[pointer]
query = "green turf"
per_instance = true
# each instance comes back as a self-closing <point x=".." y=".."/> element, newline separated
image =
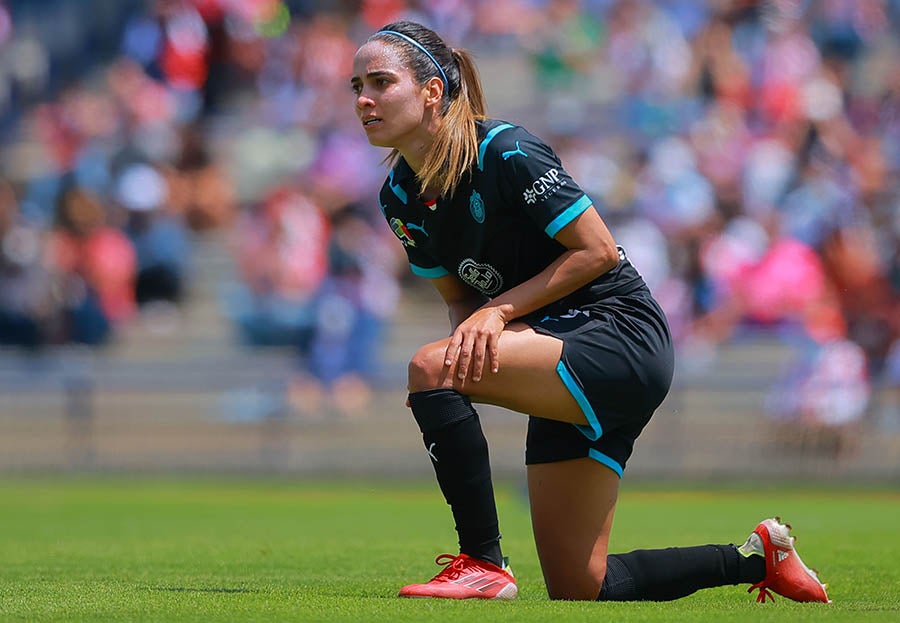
<point x="120" y="549"/>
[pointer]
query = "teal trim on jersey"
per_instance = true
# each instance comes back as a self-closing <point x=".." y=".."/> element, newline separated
<point x="593" y="430"/>
<point x="568" y="215"/>
<point x="398" y="190"/>
<point x="487" y="139"/>
<point x="609" y="462"/>
<point x="429" y="273"/>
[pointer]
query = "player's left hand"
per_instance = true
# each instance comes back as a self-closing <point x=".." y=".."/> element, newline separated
<point x="475" y="339"/>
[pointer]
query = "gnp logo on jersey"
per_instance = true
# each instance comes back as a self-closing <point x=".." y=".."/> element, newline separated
<point x="483" y="277"/>
<point x="544" y="186"/>
<point x="476" y="207"/>
<point x="402" y="232"/>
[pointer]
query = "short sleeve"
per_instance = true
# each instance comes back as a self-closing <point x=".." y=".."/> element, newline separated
<point x="534" y="178"/>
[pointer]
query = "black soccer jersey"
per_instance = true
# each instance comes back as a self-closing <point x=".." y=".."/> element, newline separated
<point x="498" y="228"/>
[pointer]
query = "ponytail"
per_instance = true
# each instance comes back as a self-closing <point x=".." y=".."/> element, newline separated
<point x="455" y="147"/>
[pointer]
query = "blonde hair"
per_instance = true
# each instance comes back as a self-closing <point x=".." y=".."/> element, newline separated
<point x="455" y="147"/>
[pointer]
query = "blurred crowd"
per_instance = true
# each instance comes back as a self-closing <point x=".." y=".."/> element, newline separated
<point x="744" y="152"/>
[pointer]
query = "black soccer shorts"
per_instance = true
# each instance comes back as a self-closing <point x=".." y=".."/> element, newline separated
<point x="617" y="361"/>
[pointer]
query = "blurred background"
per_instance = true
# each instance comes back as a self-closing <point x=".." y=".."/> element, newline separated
<point x="195" y="275"/>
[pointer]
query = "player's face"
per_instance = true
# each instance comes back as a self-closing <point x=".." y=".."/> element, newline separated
<point x="389" y="103"/>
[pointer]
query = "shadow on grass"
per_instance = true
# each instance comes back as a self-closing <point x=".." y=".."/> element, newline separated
<point x="191" y="589"/>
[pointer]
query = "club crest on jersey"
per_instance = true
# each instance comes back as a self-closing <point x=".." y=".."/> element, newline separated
<point x="544" y="186"/>
<point x="402" y="232"/>
<point x="483" y="277"/>
<point x="476" y="207"/>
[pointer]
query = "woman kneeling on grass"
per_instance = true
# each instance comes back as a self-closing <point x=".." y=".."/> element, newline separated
<point x="548" y="318"/>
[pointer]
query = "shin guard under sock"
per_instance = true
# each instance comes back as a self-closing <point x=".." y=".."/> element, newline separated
<point x="666" y="574"/>
<point x="458" y="450"/>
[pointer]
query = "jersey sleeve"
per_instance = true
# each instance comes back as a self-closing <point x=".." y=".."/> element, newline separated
<point x="533" y="177"/>
<point x="420" y="262"/>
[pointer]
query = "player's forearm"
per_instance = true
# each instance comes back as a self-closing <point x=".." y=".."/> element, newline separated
<point x="570" y="271"/>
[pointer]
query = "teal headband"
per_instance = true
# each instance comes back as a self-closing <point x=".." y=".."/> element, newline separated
<point x="421" y="47"/>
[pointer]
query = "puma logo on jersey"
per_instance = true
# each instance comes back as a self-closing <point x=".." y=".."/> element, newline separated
<point x="517" y="151"/>
<point x="420" y="228"/>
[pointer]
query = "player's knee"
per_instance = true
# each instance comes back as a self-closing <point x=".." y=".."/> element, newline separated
<point x="578" y="587"/>
<point x="425" y="368"/>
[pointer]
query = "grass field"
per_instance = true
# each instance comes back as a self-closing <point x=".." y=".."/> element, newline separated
<point x="119" y="549"/>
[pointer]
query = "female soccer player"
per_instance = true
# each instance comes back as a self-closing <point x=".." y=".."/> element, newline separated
<point x="548" y="318"/>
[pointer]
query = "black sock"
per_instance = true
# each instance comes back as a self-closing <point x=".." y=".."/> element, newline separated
<point x="458" y="450"/>
<point x="666" y="574"/>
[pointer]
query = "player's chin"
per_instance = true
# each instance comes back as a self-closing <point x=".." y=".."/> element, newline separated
<point x="378" y="141"/>
<point x="377" y="135"/>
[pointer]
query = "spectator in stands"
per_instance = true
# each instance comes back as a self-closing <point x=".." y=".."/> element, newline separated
<point x="160" y="238"/>
<point x="858" y="265"/>
<point x="199" y="189"/>
<point x="26" y="303"/>
<point x="282" y="255"/>
<point x="356" y="300"/>
<point x="95" y="265"/>
<point x="685" y="115"/>
<point x="564" y="47"/>
<point x="323" y="58"/>
<point x="773" y="282"/>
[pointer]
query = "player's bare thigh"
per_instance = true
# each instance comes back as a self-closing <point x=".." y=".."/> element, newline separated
<point x="572" y="508"/>
<point x="527" y="381"/>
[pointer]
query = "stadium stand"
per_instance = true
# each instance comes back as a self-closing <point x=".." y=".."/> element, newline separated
<point x="699" y="164"/>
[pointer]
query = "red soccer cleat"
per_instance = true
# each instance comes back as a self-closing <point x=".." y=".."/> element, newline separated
<point x="785" y="572"/>
<point x="465" y="577"/>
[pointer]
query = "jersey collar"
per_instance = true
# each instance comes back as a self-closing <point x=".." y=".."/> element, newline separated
<point x="403" y="173"/>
